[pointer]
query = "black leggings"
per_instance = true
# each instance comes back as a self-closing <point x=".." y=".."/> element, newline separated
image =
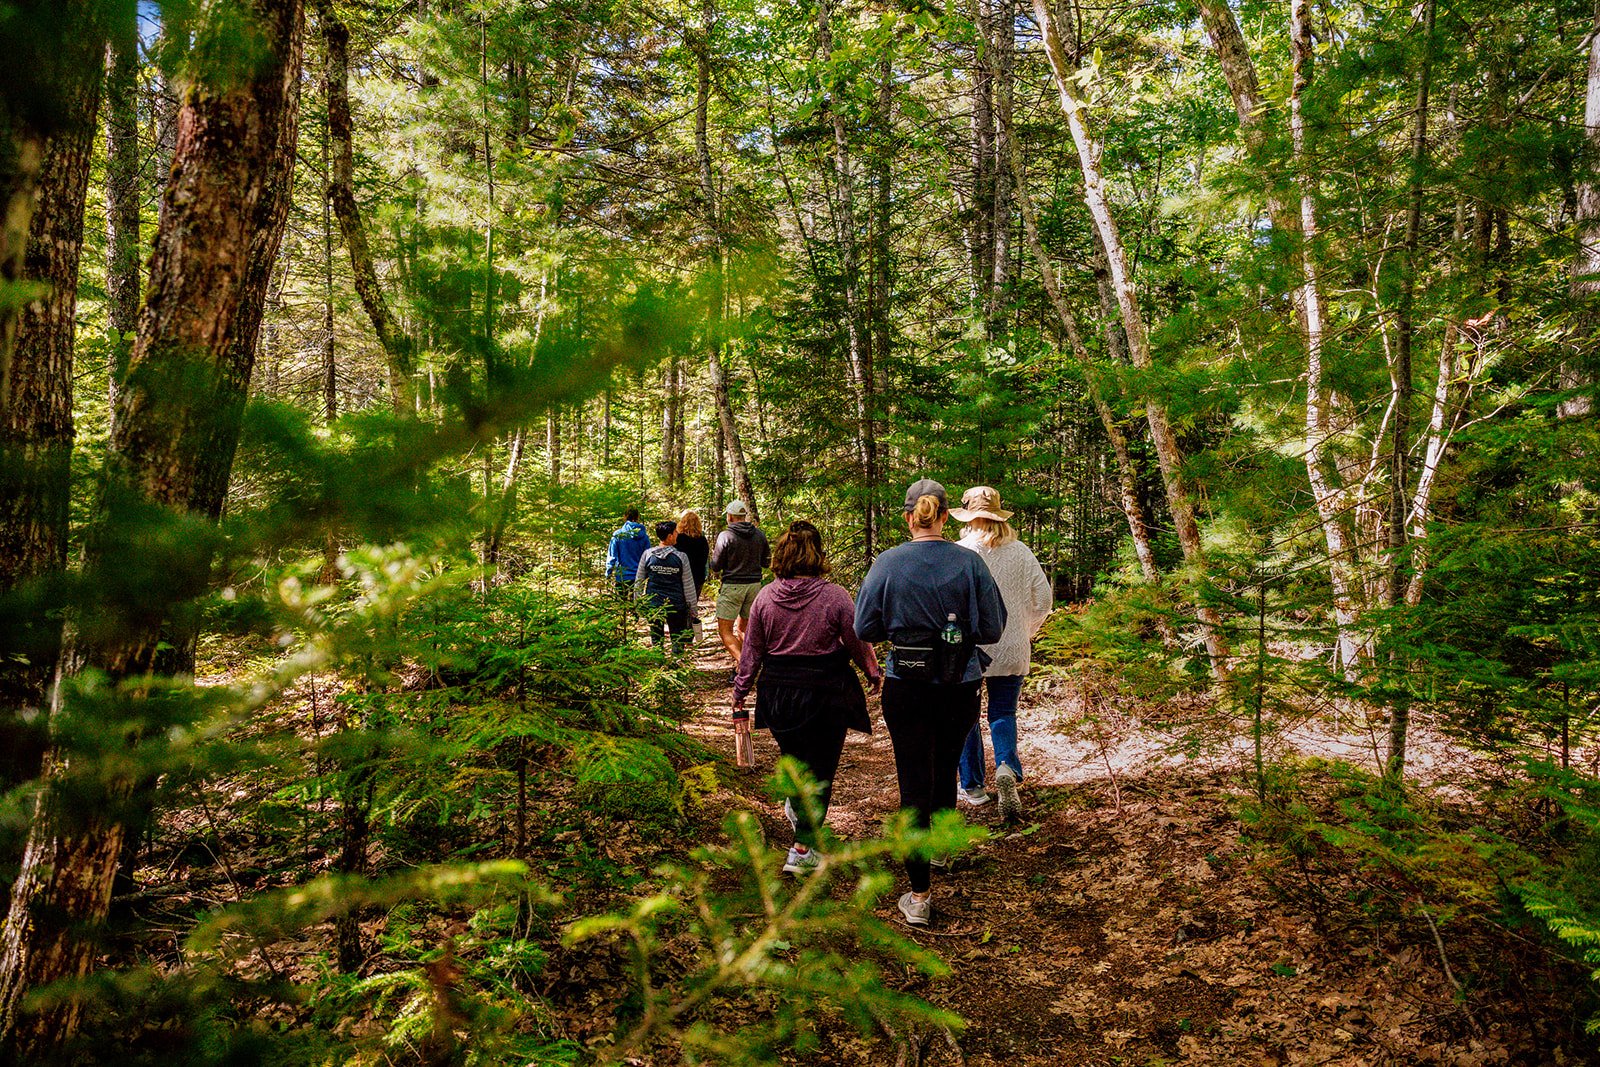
<point x="817" y="744"/>
<point x="928" y="724"/>
<point x="677" y="624"/>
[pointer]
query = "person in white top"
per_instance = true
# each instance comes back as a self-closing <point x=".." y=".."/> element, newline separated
<point x="1028" y="599"/>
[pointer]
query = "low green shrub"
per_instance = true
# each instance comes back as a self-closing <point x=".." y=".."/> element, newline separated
<point x="624" y="778"/>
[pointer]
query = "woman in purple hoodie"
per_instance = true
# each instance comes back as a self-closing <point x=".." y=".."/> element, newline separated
<point x="797" y="652"/>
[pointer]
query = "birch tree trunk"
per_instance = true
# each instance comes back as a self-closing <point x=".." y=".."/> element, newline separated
<point x="1289" y="218"/>
<point x="1239" y="71"/>
<point x="1127" y="475"/>
<point x="177" y="421"/>
<point x="1329" y="497"/>
<point x="981" y="229"/>
<point x="1169" y="455"/>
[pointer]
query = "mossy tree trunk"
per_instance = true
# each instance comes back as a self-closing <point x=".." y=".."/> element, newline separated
<point x="177" y="427"/>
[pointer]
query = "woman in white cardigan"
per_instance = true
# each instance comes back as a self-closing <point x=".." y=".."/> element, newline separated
<point x="1028" y="599"/>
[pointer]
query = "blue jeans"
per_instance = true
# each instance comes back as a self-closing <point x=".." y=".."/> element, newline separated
<point x="1004" y="690"/>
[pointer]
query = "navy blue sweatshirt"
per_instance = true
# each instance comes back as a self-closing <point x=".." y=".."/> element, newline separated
<point x="917" y="585"/>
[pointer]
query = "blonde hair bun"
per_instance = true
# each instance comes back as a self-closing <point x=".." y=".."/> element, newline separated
<point x="926" y="513"/>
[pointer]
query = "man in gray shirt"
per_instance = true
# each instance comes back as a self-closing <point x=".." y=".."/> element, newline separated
<point x="739" y="556"/>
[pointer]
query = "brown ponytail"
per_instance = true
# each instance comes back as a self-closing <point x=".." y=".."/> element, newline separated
<point x="927" y="512"/>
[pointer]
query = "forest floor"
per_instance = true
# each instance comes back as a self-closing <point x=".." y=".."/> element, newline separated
<point x="1126" y="920"/>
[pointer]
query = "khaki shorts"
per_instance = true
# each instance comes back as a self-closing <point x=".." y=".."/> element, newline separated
<point x="733" y="601"/>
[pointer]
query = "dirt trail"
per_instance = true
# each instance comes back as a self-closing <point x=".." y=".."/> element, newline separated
<point x="1090" y="934"/>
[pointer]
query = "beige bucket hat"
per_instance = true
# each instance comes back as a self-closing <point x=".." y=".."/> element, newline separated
<point x="980" y="502"/>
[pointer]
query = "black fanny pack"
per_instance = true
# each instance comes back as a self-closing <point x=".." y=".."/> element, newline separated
<point x="929" y="656"/>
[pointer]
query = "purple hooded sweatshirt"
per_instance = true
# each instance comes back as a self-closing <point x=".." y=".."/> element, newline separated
<point x="801" y="617"/>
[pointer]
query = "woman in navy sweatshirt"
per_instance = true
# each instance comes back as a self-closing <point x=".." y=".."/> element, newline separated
<point x="936" y="602"/>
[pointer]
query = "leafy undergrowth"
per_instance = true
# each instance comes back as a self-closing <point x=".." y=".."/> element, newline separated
<point x="549" y="891"/>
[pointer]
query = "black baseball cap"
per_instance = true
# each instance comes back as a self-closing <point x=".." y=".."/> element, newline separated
<point x="925" y="487"/>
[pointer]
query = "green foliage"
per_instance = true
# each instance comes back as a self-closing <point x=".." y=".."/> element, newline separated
<point x="209" y="1012"/>
<point x="621" y="778"/>
<point x="781" y="951"/>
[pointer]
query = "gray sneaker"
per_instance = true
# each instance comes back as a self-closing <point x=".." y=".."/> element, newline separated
<point x="788" y="813"/>
<point x="977" y="796"/>
<point x="1005" y="783"/>
<point x="941" y="862"/>
<point x="916" y="912"/>
<point x="802" y="862"/>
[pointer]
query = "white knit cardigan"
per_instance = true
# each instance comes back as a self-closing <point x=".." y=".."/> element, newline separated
<point x="1028" y="599"/>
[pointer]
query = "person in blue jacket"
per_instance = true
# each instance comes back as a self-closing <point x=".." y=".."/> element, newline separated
<point x="622" y="558"/>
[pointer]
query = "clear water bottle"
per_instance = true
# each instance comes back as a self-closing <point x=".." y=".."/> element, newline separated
<point x="951" y="632"/>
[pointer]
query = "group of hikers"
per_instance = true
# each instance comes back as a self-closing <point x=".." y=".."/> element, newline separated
<point x="959" y="618"/>
<point x="667" y="577"/>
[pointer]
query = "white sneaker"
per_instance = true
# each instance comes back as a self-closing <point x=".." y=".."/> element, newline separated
<point x="1005" y="783"/>
<point x="788" y="813"/>
<point x="977" y="796"/>
<point x="802" y="862"/>
<point x="916" y="912"/>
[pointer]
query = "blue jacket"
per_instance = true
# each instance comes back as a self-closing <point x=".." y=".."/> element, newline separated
<point x="627" y="545"/>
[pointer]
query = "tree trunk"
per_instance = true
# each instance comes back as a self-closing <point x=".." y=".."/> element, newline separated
<point x="36" y="426"/>
<point x="1577" y="375"/>
<point x="1401" y="377"/>
<point x="1238" y="70"/>
<point x="883" y="288"/>
<point x="164" y="121"/>
<point x="355" y="834"/>
<point x="983" y="157"/>
<point x="1002" y="38"/>
<point x="330" y="370"/>
<point x="504" y="502"/>
<point x="341" y="190"/>
<point x="1329" y="497"/>
<point x="1401" y="390"/>
<point x="178" y="424"/>
<point x="1168" y="452"/>
<point x="552" y="446"/>
<point x="1127" y="475"/>
<point x="671" y="414"/>
<point x="47" y="60"/>
<point x="860" y="354"/>
<point x="122" y="196"/>
<point x="713" y="220"/>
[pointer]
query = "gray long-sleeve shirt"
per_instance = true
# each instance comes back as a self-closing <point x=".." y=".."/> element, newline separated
<point x="918" y="585"/>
